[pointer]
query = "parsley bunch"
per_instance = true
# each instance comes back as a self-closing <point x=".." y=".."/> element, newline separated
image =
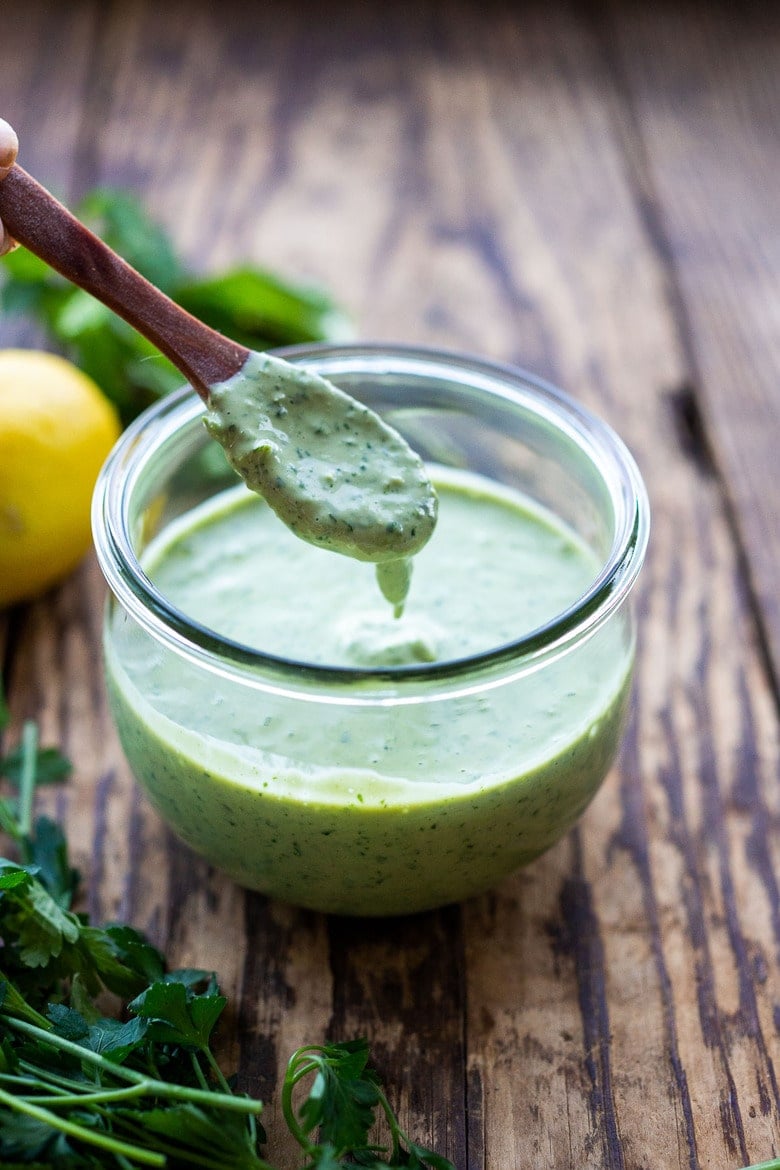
<point x="83" y="1087"/>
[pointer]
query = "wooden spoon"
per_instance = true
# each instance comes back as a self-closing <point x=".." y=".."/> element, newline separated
<point x="334" y="471"/>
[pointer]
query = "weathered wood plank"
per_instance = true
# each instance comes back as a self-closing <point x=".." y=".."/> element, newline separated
<point x="704" y="91"/>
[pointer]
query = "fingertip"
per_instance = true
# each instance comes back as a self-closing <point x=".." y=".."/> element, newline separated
<point x="9" y="147"/>
<point x="7" y="244"/>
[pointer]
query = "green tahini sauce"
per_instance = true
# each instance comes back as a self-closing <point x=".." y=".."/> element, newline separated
<point x="370" y="808"/>
<point x="332" y="470"/>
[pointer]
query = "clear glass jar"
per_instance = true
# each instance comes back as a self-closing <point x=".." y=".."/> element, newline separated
<point x="392" y="789"/>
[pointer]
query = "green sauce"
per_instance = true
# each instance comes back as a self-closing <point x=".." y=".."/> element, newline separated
<point x="375" y="808"/>
<point x="333" y="471"/>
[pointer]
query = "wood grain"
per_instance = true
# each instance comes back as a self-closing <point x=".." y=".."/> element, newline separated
<point x="705" y="108"/>
<point x="577" y="189"/>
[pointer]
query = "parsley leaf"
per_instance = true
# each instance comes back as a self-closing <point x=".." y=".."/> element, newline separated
<point x="51" y="766"/>
<point x="176" y="1015"/>
<point x="341" y="1104"/>
<point x="343" y="1096"/>
<point x="48" y="852"/>
<point x="38" y="926"/>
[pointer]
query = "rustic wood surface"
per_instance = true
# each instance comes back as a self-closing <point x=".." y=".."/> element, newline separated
<point x="590" y="191"/>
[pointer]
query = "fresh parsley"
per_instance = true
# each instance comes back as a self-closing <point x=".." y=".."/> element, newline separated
<point x="81" y="1089"/>
<point x="252" y="305"/>
<point x="343" y="1097"/>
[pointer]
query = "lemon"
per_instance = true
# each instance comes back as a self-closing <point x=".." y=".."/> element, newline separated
<point x="56" y="428"/>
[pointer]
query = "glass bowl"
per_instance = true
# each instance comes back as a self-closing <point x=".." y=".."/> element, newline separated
<point x="379" y="789"/>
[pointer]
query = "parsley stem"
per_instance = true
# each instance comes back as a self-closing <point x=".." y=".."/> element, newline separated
<point x="12" y="1079"/>
<point x="88" y="1136"/>
<point x="291" y="1079"/>
<point x="198" y="1071"/>
<point x="27" y="778"/>
<point x="17" y="822"/>
<point x="13" y="1002"/>
<point x="60" y="1100"/>
<point x="53" y="1081"/>
<point x="218" y="1073"/>
<point x="397" y="1134"/>
<point x="153" y="1088"/>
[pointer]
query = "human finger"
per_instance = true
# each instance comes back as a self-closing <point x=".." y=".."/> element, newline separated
<point x="7" y="243"/>
<point x="9" y="147"/>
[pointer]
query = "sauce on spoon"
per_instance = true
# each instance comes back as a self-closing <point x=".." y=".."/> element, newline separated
<point x="334" y="472"/>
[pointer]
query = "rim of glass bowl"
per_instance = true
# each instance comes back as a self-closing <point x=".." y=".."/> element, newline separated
<point x="156" y="426"/>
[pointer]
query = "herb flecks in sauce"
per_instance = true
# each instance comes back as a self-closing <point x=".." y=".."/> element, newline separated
<point x="331" y="469"/>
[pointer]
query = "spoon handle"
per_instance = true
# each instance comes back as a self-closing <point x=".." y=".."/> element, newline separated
<point x="36" y="219"/>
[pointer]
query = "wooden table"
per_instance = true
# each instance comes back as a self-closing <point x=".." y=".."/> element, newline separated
<point x="591" y="192"/>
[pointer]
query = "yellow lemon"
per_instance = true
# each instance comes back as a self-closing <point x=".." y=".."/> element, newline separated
<point x="56" y="428"/>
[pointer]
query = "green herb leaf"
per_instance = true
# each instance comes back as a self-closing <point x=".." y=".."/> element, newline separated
<point x="118" y="218"/>
<point x="177" y="1017"/>
<point x="51" y="766"/>
<point x="341" y="1100"/>
<point x="341" y="1104"/>
<point x="325" y="1158"/>
<point x="47" y="850"/>
<point x="40" y="925"/>
<point x="13" y="1003"/>
<point x="110" y="1037"/>
<point x="25" y="268"/>
<point x="119" y="957"/>
<point x="260" y="310"/>
<point x="343" y="1097"/>
<point x="219" y="1143"/>
<point x="30" y="1138"/>
<point x="418" y="1157"/>
<point x="12" y="875"/>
